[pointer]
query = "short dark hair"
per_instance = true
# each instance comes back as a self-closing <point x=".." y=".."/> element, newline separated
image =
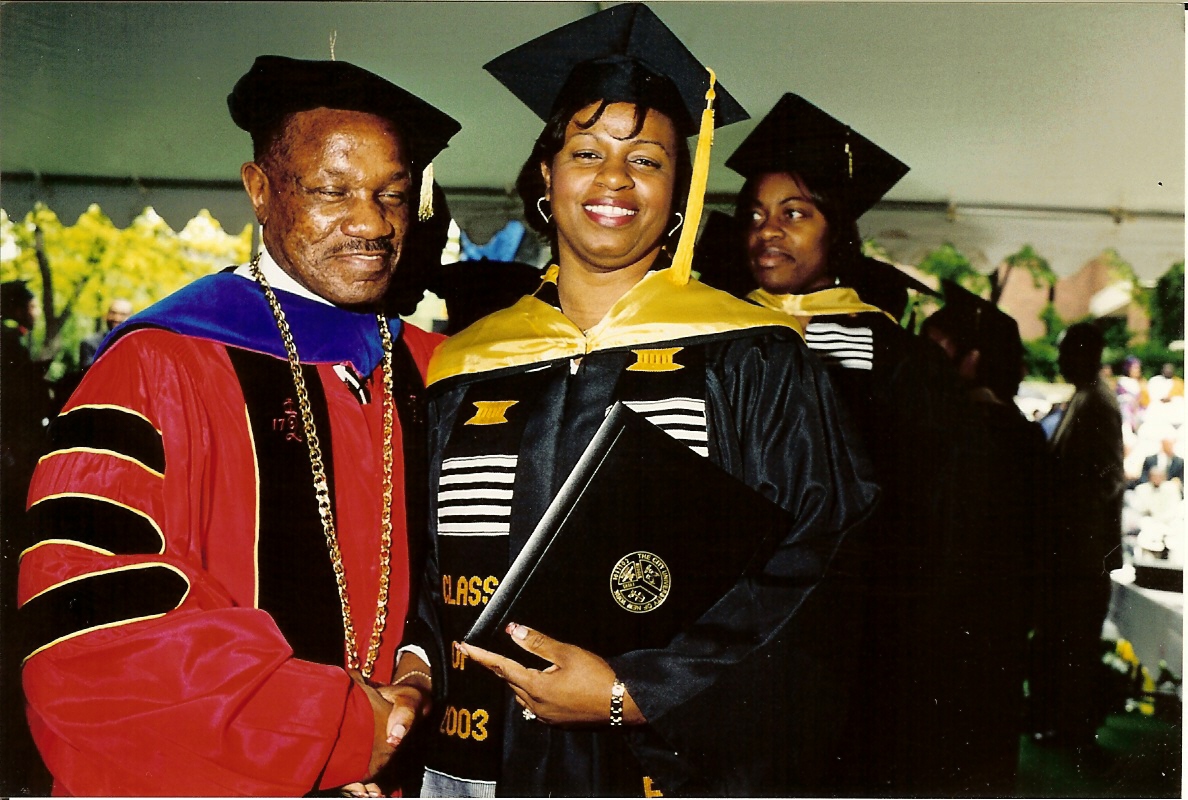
<point x="14" y="297"/>
<point x="1081" y="346"/>
<point x="1084" y="336"/>
<point x="266" y="137"/>
<point x="948" y="321"/>
<point x="844" y="252"/>
<point x="530" y="184"/>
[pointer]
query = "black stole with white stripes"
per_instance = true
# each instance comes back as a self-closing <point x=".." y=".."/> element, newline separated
<point x="843" y="341"/>
<point x="512" y="444"/>
<point x="474" y="504"/>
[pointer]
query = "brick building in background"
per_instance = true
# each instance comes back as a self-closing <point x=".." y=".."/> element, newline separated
<point x="1096" y="289"/>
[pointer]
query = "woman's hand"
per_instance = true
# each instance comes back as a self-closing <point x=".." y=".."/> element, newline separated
<point x="361" y="790"/>
<point x="575" y="690"/>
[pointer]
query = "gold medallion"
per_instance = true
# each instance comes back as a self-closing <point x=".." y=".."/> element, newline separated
<point x="640" y="582"/>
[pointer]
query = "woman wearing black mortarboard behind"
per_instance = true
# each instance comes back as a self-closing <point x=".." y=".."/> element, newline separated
<point x="734" y="381"/>
<point x="895" y="716"/>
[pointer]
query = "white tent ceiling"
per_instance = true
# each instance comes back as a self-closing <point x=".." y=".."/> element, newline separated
<point x="1055" y="124"/>
<point x="1053" y="105"/>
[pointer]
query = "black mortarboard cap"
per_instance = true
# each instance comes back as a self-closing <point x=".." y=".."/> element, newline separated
<point x="797" y="137"/>
<point x="276" y="86"/>
<point x="976" y="322"/>
<point x="884" y="285"/>
<point x="623" y="54"/>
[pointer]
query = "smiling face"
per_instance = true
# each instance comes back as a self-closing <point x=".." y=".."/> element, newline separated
<point x="333" y="196"/>
<point x="611" y="188"/>
<point x="788" y="238"/>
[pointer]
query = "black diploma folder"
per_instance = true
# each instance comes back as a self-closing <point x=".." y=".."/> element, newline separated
<point x="643" y="538"/>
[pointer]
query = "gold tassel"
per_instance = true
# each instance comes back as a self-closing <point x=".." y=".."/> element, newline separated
<point x="425" y="207"/>
<point x="682" y="262"/>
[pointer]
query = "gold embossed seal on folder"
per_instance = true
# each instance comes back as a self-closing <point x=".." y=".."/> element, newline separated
<point x="640" y="582"/>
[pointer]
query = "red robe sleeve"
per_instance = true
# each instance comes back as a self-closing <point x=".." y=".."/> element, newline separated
<point x="149" y="670"/>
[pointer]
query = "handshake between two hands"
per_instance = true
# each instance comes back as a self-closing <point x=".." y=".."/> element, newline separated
<point x="395" y="708"/>
<point x="574" y="690"/>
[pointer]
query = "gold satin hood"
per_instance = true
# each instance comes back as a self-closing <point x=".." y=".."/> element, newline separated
<point x="825" y="303"/>
<point x="655" y="310"/>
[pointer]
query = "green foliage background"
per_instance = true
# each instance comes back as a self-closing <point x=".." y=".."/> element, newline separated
<point x="93" y="262"/>
<point x="1167" y="306"/>
<point x="1164" y="304"/>
<point x="948" y="263"/>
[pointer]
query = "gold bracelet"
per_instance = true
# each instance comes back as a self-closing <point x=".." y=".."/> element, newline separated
<point x="412" y="672"/>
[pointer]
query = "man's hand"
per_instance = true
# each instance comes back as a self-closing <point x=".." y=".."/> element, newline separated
<point x="361" y="790"/>
<point x="381" y="709"/>
<point x="411" y="696"/>
<point x="575" y="690"/>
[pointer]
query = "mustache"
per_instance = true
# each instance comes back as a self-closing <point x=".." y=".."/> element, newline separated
<point x="365" y="246"/>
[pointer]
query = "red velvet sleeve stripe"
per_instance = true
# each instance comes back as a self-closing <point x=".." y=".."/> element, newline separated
<point x="102" y="477"/>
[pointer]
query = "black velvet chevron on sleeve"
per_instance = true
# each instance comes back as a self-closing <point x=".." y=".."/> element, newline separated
<point x="99" y="600"/>
<point x="96" y="522"/>
<point x="113" y="429"/>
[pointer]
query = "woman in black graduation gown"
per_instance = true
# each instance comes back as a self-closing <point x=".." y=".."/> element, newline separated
<point x="907" y="585"/>
<point x="517" y="396"/>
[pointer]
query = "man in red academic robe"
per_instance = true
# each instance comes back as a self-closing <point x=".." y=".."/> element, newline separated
<point x="219" y="564"/>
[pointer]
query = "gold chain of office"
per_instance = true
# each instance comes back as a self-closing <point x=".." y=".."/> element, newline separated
<point x="322" y="489"/>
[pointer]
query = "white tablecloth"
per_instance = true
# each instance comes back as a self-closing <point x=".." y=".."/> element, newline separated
<point x="1151" y="620"/>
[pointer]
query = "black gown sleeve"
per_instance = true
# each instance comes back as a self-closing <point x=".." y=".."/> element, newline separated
<point x="777" y="425"/>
